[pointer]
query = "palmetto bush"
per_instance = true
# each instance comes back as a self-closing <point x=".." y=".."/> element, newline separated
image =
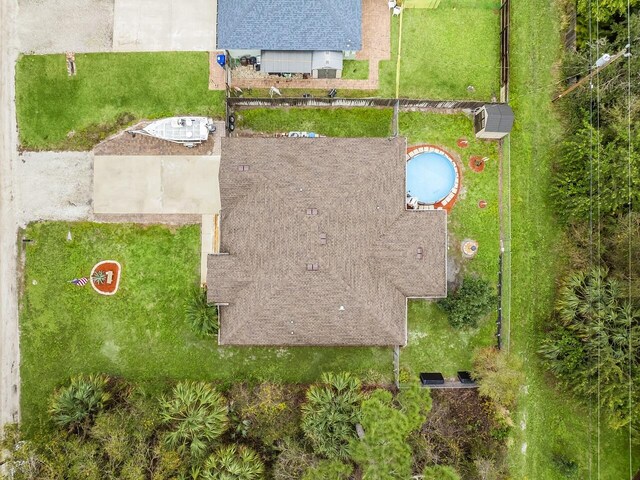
<point x="233" y="462"/>
<point x="202" y="317"/>
<point x="330" y="414"/>
<point x="75" y="406"/>
<point x="196" y="416"/>
<point x="591" y="343"/>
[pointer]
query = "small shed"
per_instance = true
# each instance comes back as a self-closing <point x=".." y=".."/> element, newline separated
<point x="286" y="61"/>
<point x="493" y="121"/>
<point x="327" y="64"/>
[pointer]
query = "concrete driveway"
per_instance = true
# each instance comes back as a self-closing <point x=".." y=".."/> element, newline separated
<point x="156" y="184"/>
<point x="81" y="26"/>
<point x="167" y="25"/>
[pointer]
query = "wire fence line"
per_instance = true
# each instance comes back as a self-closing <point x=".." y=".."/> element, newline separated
<point x="505" y="243"/>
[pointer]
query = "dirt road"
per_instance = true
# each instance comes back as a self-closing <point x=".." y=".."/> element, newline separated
<point x="9" y="338"/>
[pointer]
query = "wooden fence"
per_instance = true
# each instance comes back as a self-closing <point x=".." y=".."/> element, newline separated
<point x="505" y="30"/>
<point x="402" y="104"/>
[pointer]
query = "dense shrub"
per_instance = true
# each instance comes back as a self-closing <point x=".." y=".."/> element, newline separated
<point x="330" y="414"/>
<point x="233" y="462"/>
<point x="196" y="416"/>
<point x="499" y="377"/>
<point x="202" y="317"/>
<point x="472" y="301"/>
<point x="440" y="472"/>
<point x="74" y="407"/>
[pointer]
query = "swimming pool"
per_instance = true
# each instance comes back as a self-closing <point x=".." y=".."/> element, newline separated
<point x="432" y="176"/>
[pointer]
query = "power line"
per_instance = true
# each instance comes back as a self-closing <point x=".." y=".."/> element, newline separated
<point x="629" y="199"/>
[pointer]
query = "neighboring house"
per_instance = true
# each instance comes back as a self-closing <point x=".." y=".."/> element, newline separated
<point x="317" y="247"/>
<point x="291" y="36"/>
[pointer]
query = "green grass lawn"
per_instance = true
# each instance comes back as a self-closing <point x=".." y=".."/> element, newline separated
<point x="140" y="333"/>
<point x="444" y="50"/>
<point x="555" y="422"/>
<point x="434" y="345"/>
<point x="109" y="91"/>
<point x="338" y="122"/>
<point x="355" y="69"/>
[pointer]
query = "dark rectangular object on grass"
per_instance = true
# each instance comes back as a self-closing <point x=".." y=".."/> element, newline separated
<point x="465" y="377"/>
<point x="431" y="378"/>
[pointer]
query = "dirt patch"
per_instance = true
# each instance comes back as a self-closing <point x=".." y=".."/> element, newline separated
<point x="476" y="163"/>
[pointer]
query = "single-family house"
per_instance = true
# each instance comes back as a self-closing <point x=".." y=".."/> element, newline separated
<point x="291" y="36"/>
<point x="316" y="244"/>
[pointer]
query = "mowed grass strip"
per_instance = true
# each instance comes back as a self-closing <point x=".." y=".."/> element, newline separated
<point x="56" y="111"/>
<point x="330" y="122"/>
<point x="552" y="426"/>
<point x="140" y="333"/>
<point x="433" y="344"/>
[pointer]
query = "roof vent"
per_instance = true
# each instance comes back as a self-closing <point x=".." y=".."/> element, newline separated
<point x="323" y="239"/>
<point x="341" y="308"/>
<point x="419" y="253"/>
<point x="243" y="168"/>
<point x="313" y="267"/>
<point x="312" y="211"/>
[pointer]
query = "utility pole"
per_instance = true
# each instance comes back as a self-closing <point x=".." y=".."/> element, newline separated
<point x="622" y="53"/>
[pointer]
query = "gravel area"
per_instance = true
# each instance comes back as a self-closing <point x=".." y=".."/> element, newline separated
<point x="57" y="26"/>
<point x="54" y="186"/>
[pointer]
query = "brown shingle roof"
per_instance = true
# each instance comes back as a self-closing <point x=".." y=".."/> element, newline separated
<point x="341" y="276"/>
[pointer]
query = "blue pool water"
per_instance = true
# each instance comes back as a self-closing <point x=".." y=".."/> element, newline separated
<point x="430" y="177"/>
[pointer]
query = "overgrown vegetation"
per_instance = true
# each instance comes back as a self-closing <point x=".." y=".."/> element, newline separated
<point x="109" y="92"/>
<point x="330" y="415"/>
<point x="74" y="407"/>
<point x="195" y="416"/>
<point x="592" y="341"/>
<point x="188" y="431"/>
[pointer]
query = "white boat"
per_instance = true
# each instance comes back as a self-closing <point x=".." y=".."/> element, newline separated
<point x="188" y="131"/>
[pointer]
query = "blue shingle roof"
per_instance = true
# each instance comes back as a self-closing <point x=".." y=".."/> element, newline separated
<point x="290" y="24"/>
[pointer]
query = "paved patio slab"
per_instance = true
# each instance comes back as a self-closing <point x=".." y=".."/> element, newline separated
<point x="156" y="185"/>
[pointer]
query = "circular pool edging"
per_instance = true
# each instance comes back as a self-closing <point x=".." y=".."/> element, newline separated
<point x="448" y="201"/>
